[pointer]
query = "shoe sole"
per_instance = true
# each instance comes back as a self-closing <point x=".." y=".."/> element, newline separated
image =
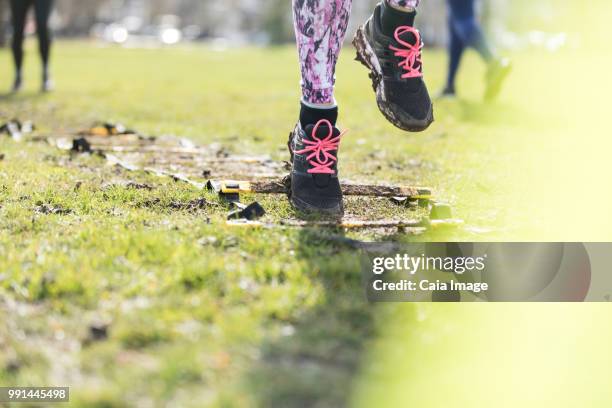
<point x="306" y="208"/>
<point x="367" y="57"/>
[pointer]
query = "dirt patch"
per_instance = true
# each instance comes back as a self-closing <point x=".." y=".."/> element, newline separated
<point x="46" y="209"/>
<point x="196" y="205"/>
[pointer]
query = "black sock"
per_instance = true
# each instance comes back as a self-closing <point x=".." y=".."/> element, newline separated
<point x="391" y="18"/>
<point x="310" y="116"/>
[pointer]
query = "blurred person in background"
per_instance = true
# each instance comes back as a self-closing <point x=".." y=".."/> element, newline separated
<point x="19" y="12"/>
<point x="465" y="31"/>
<point x="390" y="47"/>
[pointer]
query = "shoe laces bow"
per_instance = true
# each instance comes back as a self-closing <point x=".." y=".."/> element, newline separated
<point x="412" y="53"/>
<point x="320" y="157"/>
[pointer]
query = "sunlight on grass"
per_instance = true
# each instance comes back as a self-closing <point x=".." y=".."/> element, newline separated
<point x="204" y="313"/>
<point x="489" y="355"/>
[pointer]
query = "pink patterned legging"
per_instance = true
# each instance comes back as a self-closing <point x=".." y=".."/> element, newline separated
<point x="320" y="27"/>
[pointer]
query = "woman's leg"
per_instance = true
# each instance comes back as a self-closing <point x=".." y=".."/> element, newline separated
<point x="456" y="47"/>
<point x="19" y="11"/>
<point x="320" y="28"/>
<point x="395" y="13"/>
<point x="404" y="4"/>
<point x="467" y="27"/>
<point x="468" y="30"/>
<point x="43" y="10"/>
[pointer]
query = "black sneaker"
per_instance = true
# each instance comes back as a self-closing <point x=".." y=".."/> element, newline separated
<point x="17" y="84"/>
<point x="447" y="93"/>
<point x="47" y="85"/>
<point x="396" y="72"/>
<point x="497" y="72"/>
<point x="315" y="187"/>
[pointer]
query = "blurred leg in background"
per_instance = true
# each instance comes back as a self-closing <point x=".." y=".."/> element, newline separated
<point x="19" y="12"/>
<point x="456" y="47"/>
<point x="465" y="31"/>
<point x="42" y="9"/>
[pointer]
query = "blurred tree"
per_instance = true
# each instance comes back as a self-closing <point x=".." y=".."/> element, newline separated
<point x="278" y="21"/>
<point x="242" y="20"/>
<point x="76" y="17"/>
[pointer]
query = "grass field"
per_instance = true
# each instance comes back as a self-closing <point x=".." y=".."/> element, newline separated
<point x="200" y="314"/>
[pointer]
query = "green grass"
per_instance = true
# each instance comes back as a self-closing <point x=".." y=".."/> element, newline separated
<point x="202" y="314"/>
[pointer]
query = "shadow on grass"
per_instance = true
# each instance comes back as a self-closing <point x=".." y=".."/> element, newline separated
<point x="315" y="361"/>
<point x="22" y="96"/>
<point x="486" y="113"/>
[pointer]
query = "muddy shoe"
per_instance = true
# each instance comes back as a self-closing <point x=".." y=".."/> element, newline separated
<point x="396" y="72"/>
<point x="447" y="93"/>
<point x="315" y="187"/>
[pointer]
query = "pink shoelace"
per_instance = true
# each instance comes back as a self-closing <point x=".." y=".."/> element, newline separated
<point x="412" y="52"/>
<point x="320" y="157"/>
